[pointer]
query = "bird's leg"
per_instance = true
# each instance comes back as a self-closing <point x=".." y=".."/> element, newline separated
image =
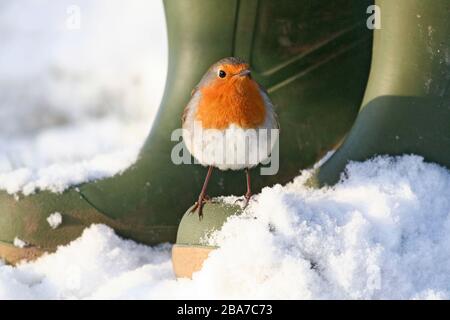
<point x="202" y="197"/>
<point x="248" y="194"/>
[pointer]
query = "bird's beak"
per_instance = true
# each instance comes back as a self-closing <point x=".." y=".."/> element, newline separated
<point x="243" y="73"/>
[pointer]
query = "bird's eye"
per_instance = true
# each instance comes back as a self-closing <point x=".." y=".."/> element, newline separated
<point x="222" y="74"/>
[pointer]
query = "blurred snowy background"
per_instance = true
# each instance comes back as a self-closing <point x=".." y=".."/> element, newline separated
<point x="76" y="101"/>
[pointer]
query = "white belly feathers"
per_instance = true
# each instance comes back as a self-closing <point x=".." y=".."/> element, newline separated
<point x="233" y="148"/>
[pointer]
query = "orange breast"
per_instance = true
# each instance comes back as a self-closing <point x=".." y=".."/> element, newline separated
<point x="234" y="101"/>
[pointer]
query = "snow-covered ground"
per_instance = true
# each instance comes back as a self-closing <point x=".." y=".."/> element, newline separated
<point x="77" y="104"/>
<point x="384" y="232"/>
<point x="76" y="100"/>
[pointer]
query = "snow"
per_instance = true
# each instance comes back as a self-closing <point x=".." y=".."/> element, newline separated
<point x="54" y="220"/>
<point x="76" y="103"/>
<point x="383" y="232"/>
<point x="19" y="243"/>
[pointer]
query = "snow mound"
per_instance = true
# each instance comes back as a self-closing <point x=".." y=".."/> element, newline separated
<point x="383" y="232"/>
<point x="92" y="263"/>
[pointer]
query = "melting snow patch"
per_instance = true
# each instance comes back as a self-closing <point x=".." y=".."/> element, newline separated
<point x="54" y="220"/>
<point x="19" y="243"/>
<point x="383" y="232"/>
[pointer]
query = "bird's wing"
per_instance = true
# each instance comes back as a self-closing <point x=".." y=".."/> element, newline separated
<point x="184" y="115"/>
<point x="194" y="91"/>
<point x="275" y="117"/>
<point x="273" y="113"/>
<point x="186" y="109"/>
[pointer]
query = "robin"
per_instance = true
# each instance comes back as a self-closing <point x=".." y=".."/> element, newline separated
<point x="229" y="122"/>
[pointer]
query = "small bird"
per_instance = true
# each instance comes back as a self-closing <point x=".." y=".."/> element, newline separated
<point x="228" y="122"/>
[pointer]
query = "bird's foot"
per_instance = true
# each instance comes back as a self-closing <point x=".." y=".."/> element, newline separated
<point x="247" y="197"/>
<point x="199" y="206"/>
<point x="246" y="200"/>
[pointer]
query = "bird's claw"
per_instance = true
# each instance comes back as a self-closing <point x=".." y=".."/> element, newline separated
<point x="246" y="200"/>
<point x="199" y="206"/>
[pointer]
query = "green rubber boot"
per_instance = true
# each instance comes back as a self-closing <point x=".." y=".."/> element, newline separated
<point x="406" y="107"/>
<point x="313" y="57"/>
